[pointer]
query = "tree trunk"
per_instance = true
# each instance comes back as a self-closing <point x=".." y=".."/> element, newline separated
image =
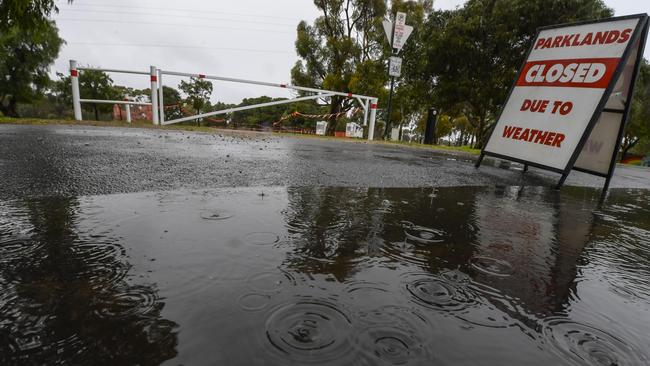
<point x="96" y="112"/>
<point x="10" y="109"/>
<point x="335" y="107"/>
<point x="480" y="134"/>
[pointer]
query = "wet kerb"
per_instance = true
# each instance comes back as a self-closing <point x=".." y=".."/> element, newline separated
<point x="327" y="276"/>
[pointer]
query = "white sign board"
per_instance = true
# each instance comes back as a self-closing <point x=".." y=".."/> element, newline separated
<point x="402" y="31"/>
<point x="321" y="128"/>
<point x="559" y="91"/>
<point x="395" y="67"/>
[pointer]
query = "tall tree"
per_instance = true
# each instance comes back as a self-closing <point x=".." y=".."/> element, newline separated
<point x="475" y="59"/>
<point x="92" y="85"/>
<point x="341" y="51"/>
<point x="95" y="84"/>
<point x="198" y="93"/>
<point x="173" y="101"/>
<point x="25" y="58"/>
<point x="25" y="13"/>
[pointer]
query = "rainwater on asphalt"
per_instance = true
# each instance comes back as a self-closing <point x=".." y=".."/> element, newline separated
<point x="329" y="276"/>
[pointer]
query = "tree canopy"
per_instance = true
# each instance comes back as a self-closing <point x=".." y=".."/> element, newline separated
<point x="25" y="13"/>
<point x="25" y="58"/>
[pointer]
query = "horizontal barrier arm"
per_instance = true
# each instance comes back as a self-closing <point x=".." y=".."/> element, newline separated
<point x="113" y="70"/>
<point x="237" y="109"/>
<point x="277" y="85"/>
<point x="100" y="101"/>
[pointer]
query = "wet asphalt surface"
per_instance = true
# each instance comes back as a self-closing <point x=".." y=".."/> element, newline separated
<point x="37" y="161"/>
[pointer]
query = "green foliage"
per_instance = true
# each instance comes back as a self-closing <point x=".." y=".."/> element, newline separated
<point x="197" y="93"/>
<point x="97" y="85"/>
<point x="260" y="117"/>
<point x="172" y="101"/>
<point x="342" y="50"/>
<point x="25" y="57"/>
<point x="444" y="126"/>
<point x="25" y="14"/>
<point x="637" y="132"/>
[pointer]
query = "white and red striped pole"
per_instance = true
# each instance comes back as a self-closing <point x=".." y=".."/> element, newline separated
<point x="128" y="109"/>
<point x="373" y="117"/>
<point x="76" y="98"/>
<point x="154" y="95"/>
<point x="161" y="99"/>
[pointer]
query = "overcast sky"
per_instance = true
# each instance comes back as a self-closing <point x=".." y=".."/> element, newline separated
<point x="250" y="39"/>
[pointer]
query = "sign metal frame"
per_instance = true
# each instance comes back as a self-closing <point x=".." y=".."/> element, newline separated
<point x="640" y="34"/>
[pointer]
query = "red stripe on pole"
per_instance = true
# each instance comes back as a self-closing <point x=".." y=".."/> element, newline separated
<point x="74" y="73"/>
<point x="349" y="95"/>
<point x="154" y="78"/>
<point x="283" y="85"/>
<point x="373" y="106"/>
<point x="201" y="76"/>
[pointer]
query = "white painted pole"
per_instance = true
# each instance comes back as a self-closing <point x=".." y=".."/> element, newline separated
<point x="76" y="98"/>
<point x="373" y="117"/>
<point x="366" y="105"/>
<point x="161" y="101"/>
<point x="154" y="95"/>
<point x="128" y="113"/>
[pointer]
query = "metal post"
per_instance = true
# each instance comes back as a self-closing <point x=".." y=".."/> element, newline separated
<point x="74" y="80"/>
<point x="430" y="130"/>
<point x="373" y="117"/>
<point x="160" y="98"/>
<point x="392" y="80"/>
<point x="154" y="96"/>
<point x="390" y="101"/>
<point x="366" y="106"/>
<point x="128" y="113"/>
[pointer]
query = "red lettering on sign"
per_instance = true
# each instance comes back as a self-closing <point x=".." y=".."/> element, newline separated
<point x="534" y="105"/>
<point x="579" y="73"/>
<point x="588" y="39"/>
<point x="549" y="138"/>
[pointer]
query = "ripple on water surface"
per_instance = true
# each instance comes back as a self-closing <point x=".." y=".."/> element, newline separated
<point x="393" y="335"/>
<point x="216" y="215"/>
<point x="492" y="266"/>
<point x="310" y="331"/>
<point x="585" y="344"/>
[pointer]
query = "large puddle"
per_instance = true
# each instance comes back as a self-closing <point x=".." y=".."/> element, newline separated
<point x="452" y="276"/>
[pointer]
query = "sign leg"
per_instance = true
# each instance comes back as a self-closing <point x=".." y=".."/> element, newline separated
<point x="525" y="168"/>
<point x="561" y="182"/>
<point x="479" y="161"/>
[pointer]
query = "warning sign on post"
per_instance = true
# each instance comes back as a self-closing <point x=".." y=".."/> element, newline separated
<point x="395" y="67"/>
<point x="562" y="90"/>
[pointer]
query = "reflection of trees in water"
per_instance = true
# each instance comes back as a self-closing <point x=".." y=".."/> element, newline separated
<point x="541" y="233"/>
<point x="66" y="297"/>
<point x="331" y="229"/>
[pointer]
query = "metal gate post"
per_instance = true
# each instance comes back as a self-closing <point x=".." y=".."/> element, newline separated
<point x="76" y="98"/>
<point x="373" y="117"/>
<point x="154" y="96"/>
<point x="161" y="101"/>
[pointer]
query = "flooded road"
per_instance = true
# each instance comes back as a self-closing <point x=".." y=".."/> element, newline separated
<point x="502" y="275"/>
<point x="43" y="161"/>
